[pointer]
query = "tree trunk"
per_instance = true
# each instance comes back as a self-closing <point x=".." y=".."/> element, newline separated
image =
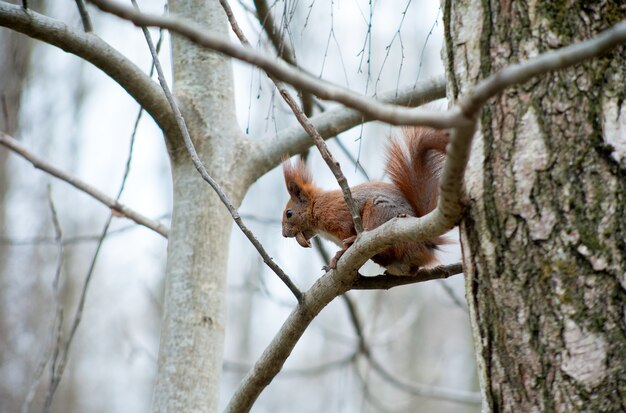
<point x="543" y="236"/>
<point x="190" y="355"/>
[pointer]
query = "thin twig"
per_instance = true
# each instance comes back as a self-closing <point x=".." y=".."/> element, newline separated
<point x="63" y="357"/>
<point x="351" y="158"/>
<point x="357" y="324"/>
<point x="369" y="107"/>
<point x="413" y="388"/>
<point x="458" y="116"/>
<point x="58" y="318"/>
<point x="117" y="208"/>
<point x="266" y="20"/>
<point x="307" y="125"/>
<point x="292" y="140"/>
<point x="418" y="389"/>
<point x="61" y="360"/>
<point x="205" y="175"/>
<point x="84" y="16"/>
<point x="332" y="163"/>
<point x="450" y="292"/>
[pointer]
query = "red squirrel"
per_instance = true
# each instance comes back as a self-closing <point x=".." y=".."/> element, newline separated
<point x="414" y="165"/>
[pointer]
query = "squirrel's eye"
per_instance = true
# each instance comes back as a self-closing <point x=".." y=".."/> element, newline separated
<point x="288" y="213"/>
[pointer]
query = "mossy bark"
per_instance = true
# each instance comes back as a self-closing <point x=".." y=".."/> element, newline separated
<point x="544" y="234"/>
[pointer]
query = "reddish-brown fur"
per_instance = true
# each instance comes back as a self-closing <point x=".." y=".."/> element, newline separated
<point x="414" y="173"/>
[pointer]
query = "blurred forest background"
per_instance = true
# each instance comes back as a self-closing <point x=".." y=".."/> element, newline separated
<point x="72" y="115"/>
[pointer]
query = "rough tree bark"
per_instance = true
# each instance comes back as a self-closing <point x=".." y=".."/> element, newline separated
<point x="543" y="237"/>
<point x="190" y="355"/>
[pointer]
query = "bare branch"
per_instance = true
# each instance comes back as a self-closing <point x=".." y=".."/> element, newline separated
<point x="267" y="24"/>
<point x="370" y="108"/>
<point x="328" y="157"/>
<point x="84" y="16"/>
<point x="180" y="121"/>
<point x="58" y="318"/>
<point x="453" y="296"/>
<point x="94" y="50"/>
<point x="412" y="388"/>
<point x="285" y="52"/>
<point x="389" y="281"/>
<point x="61" y="358"/>
<point x="323" y="291"/>
<point x="115" y="206"/>
<point x="292" y="140"/>
<point x="418" y="389"/>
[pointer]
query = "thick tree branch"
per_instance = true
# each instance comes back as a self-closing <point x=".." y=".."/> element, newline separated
<point x="115" y="206"/>
<point x="94" y="50"/>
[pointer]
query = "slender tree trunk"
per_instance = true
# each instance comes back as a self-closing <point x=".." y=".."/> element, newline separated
<point x="190" y="355"/>
<point x="543" y="236"/>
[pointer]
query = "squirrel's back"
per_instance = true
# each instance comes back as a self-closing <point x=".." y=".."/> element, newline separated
<point x="414" y="164"/>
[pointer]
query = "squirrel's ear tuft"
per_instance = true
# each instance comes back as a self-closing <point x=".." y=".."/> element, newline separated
<point x="297" y="178"/>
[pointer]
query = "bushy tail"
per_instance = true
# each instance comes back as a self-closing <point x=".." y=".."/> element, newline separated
<point x="414" y="164"/>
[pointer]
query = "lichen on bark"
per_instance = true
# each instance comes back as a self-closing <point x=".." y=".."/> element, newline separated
<point x="543" y="236"/>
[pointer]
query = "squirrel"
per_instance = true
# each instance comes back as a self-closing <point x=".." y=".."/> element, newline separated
<point x="414" y="164"/>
